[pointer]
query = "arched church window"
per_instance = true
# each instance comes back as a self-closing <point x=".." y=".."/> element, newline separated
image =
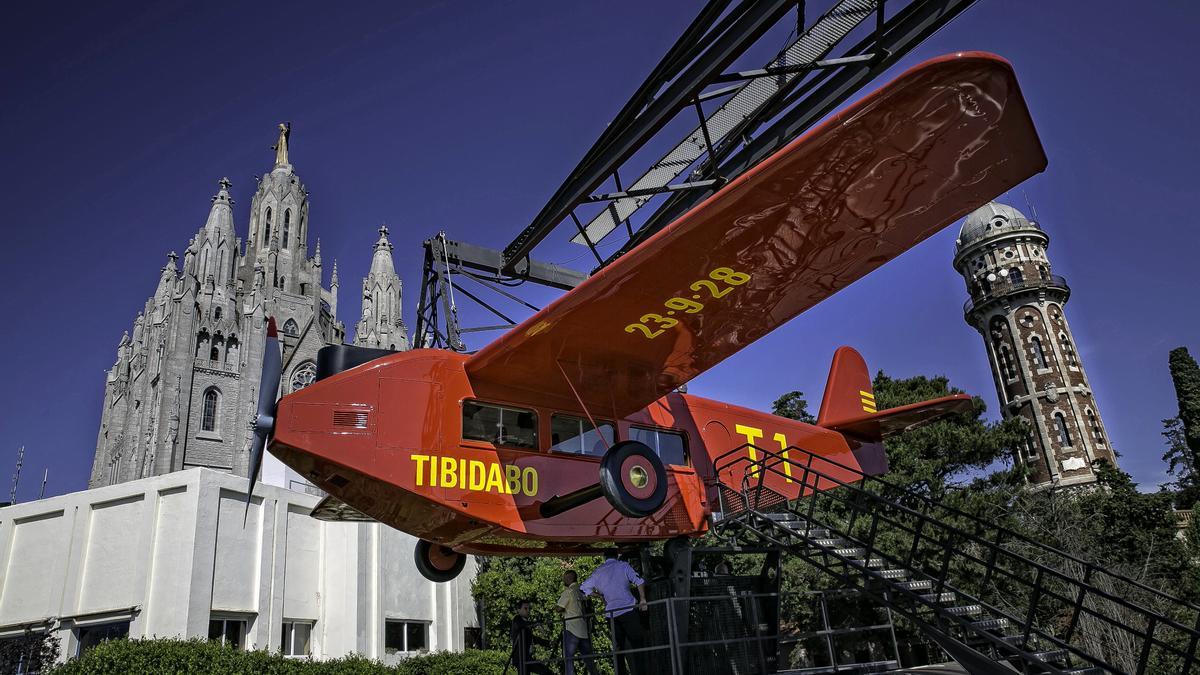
<point x="287" y="226"/>
<point x="208" y="416"/>
<point x="1039" y="352"/>
<point x="201" y="341"/>
<point x="1061" y="423"/>
<point x="267" y="228"/>
<point x="231" y="351"/>
<point x="291" y="328"/>
<point x="1015" y="276"/>
<point x="217" y="314"/>
<point x="214" y="354"/>
<point x="1043" y="273"/>
<point x="304" y="375"/>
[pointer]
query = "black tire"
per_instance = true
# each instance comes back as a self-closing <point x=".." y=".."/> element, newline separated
<point x="625" y="465"/>
<point x="438" y="563"/>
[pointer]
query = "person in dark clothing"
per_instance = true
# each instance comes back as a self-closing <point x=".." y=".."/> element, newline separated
<point x="523" y="639"/>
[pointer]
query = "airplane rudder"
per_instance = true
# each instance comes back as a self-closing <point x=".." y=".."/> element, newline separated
<point x="848" y="391"/>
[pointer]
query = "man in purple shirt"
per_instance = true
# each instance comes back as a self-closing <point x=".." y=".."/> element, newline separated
<point x="612" y="580"/>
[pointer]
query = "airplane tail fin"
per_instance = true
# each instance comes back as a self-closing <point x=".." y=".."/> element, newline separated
<point x="848" y="392"/>
<point x="849" y="408"/>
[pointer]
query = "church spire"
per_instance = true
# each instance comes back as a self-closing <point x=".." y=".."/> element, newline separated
<point x="381" y="324"/>
<point x="281" y="146"/>
<point x="220" y="216"/>
<point x="381" y="262"/>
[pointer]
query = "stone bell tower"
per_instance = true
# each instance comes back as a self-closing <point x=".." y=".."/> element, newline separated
<point x="1016" y="304"/>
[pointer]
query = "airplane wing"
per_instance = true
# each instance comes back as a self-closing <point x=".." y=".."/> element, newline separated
<point x="833" y="205"/>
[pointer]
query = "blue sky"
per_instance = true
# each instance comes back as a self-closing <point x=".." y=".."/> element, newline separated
<point x="465" y="116"/>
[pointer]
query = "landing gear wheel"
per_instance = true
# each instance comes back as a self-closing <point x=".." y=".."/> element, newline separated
<point x="438" y="563"/>
<point x="633" y="479"/>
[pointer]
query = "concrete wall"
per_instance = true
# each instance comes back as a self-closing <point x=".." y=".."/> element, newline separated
<point x="170" y="553"/>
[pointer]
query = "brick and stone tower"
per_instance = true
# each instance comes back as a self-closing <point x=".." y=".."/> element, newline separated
<point x="1016" y="304"/>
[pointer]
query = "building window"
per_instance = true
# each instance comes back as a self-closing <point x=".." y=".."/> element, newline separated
<point x="1039" y="353"/>
<point x="1063" y="431"/>
<point x="577" y="435"/>
<point x="670" y="445"/>
<point x="214" y="354"/>
<point x="208" y="418"/>
<point x="291" y="328"/>
<point x="228" y="632"/>
<point x="1031" y="449"/>
<point x="304" y="375"/>
<point x="405" y="636"/>
<point x="1043" y="274"/>
<point x="217" y="314"/>
<point x="1015" y="276"/>
<point x="89" y="636"/>
<point x="297" y="638"/>
<point x="267" y="228"/>
<point x="499" y="425"/>
<point x="1095" y="425"/>
<point x="287" y="226"/>
<point x="1006" y="361"/>
<point x="1068" y="350"/>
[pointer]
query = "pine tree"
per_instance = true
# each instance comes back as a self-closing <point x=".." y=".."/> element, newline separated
<point x="1186" y="376"/>
<point x="793" y="406"/>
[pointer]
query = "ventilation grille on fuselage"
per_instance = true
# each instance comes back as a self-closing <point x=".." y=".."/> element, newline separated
<point x="356" y="419"/>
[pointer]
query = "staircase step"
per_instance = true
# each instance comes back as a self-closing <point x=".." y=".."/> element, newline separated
<point x="920" y="585"/>
<point x="830" y="543"/>
<point x="1087" y="670"/>
<point x="992" y="624"/>
<point x="939" y="597"/>
<point x="965" y="610"/>
<point x="894" y="573"/>
<point x="1051" y="656"/>
<point x="851" y="552"/>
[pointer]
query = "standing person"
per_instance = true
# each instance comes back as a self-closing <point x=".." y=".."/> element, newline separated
<point x="523" y="639"/>
<point x="576" y="638"/>
<point x="612" y="580"/>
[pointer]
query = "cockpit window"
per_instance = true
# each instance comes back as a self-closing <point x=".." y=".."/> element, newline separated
<point x="577" y="435"/>
<point x="670" y="445"/>
<point x="499" y="425"/>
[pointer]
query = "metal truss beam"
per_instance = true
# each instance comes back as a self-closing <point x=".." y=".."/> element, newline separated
<point x="635" y="125"/>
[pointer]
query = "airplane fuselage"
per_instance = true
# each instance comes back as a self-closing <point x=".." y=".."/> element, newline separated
<point x="410" y="441"/>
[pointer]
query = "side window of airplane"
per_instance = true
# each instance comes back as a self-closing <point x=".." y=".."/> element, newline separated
<point x="500" y="425"/>
<point x="670" y="445"/>
<point x="577" y="435"/>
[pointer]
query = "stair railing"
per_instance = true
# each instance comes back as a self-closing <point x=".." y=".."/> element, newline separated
<point x="1168" y="637"/>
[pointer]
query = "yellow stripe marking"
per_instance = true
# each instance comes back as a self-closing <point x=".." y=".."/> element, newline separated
<point x="866" y="394"/>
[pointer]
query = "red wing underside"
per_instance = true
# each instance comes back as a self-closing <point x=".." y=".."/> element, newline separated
<point x="845" y="198"/>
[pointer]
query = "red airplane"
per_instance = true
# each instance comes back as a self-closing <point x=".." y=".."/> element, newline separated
<point x="569" y="432"/>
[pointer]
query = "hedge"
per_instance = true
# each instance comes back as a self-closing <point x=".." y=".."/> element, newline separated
<point x="196" y="655"/>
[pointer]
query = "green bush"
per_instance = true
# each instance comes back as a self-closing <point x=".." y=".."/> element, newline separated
<point x="182" y="657"/>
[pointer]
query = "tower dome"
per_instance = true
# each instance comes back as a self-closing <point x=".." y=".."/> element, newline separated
<point x="991" y="218"/>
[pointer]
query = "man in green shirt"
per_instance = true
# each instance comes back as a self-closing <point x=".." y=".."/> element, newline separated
<point x="575" y="626"/>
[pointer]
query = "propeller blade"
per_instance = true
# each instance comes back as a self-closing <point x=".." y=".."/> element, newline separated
<point x="264" y="419"/>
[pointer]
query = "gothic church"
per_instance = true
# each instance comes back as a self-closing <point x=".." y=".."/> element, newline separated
<point x="183" y="390"/>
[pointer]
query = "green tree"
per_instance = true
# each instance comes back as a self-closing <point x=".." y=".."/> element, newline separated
<point x="793" y="406"/>
<point x="936" y="457"/>
<point x="503" y="582"/>
<point x="1185" y="374"/>
<point x="1180" y="464"/>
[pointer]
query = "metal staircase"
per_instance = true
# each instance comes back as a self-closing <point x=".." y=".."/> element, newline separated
<point x="996" y="601"/>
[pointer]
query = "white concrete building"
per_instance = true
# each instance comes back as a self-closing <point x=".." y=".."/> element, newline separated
<point x="168" y="556"/>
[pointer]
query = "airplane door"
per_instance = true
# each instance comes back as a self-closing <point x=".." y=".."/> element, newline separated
<point x="410" y="424"/>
